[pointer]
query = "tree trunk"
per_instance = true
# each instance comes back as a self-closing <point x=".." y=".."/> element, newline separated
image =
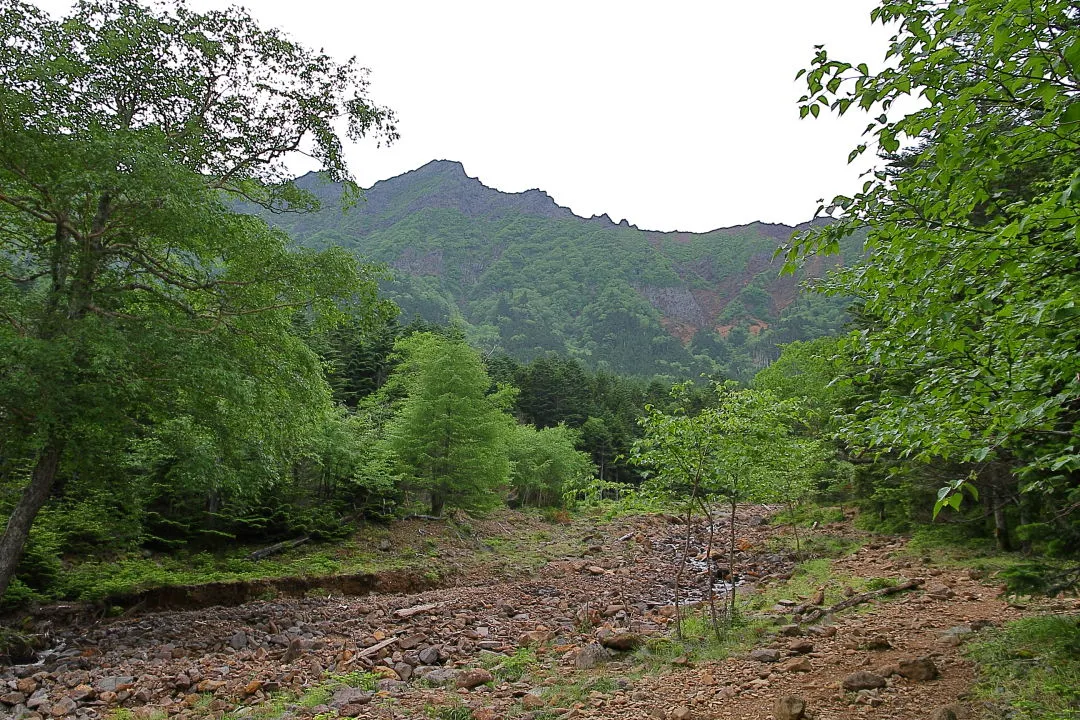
<point x="22" y="517"/>
<point x="437" y="502"/>
<point x="731" y="563"/>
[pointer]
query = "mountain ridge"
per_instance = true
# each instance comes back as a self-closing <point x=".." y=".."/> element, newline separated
<point x="522" y="273"/>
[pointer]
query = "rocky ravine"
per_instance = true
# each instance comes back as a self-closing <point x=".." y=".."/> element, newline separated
<point x="895" y="659"/>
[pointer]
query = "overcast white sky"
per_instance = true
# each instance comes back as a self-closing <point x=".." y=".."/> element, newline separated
<point x="674" y="115"/>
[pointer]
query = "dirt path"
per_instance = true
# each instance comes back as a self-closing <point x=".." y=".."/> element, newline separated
<point x="611" y="578"/>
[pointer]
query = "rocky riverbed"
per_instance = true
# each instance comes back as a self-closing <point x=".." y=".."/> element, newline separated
<point x="581" y="613"/>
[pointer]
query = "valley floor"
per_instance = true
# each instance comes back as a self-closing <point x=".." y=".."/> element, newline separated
<point x="533" y="646"/>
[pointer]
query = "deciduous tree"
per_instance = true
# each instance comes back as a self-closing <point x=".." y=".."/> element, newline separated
<point x="133" y="300"/>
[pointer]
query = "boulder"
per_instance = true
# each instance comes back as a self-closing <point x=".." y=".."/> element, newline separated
<point x="789" y="707"/>
<point x="473" y="677"/>
<point x="919" y="669"/>
<point x="863" y="680"/>
<point x="765" y="655"/>
<point x="590" y="656"/>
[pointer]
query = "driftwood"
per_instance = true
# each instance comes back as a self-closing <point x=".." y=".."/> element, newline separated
<point x="277" y="547"/>
<point x="424" y="517"/>
<point x="861" y="598"/>
<point x="368" y="652"/>
<point x="415" y="610"/>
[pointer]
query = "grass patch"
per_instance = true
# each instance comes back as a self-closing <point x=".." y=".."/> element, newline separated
<point x="456" y="711"/>
<point x="699" y="641"/>
<point x="1030" y="669"/>
<point x="510" y="668"/>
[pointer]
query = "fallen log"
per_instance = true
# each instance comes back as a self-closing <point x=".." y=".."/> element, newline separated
<point x="277" y="547"/>
<point x="414" y="610"/>
<point x="368" y="652"/>
<point x="861" y="598"/>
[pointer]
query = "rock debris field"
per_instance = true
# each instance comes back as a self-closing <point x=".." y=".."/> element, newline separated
<point x="451" y="652"/>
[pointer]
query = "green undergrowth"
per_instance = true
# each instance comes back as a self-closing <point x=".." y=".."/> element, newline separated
<point x="511" y="543"/>
<point x="94" y="580"/>
<point x="952" y="545"/>
<point x="1030" y="668"/>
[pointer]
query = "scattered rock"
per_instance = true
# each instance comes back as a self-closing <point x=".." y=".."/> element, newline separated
<point x="622" y="642"/>
<point x="789" y="631"/>
<point x="350" y="696"/>
<point x="532" y="701"/>
<point x="113" y="683"/>
<point x="949" y="712"/>
<point x="765" y="655"/>
<point x="940" y="592"/>
<point x="13" y="698"/>
<point x="826" y="631"/>
<point x="429" y="656"/>
<point x="473" y="677"/>
<point x="863" y="680"/>
<point x="919" y="669"/>
<point x="801" y="664"/>
<point x="878" y="642"/>
<point x="955" y="636"/>
<point x="590" y="656"/>
<point x="801" y="646"/>
<point x="63" y="707"/>
<point x="789" y="707"/>
<point x="437" y="676"/>
<point x="681" y="713"/>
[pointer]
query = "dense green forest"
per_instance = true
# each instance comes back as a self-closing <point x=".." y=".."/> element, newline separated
<point x="175" y="374"/>
<point x="526" y="277"/>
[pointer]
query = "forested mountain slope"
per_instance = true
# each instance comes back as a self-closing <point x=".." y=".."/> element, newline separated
<point x="527" y="276"/>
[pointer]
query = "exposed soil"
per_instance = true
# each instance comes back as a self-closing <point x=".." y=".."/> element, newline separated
<point x="600" y="582"/>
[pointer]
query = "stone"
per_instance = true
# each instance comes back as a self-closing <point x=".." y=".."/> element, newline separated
<point x="385" y="673"/>
<point x="940" y="592"/>
<point x="826" y="631"/>
<point x="63" y="707"/>
<point x="789" y="707"/>
<point x="404" y="670"/>
<point x="681" y="713"/>
<point x="429" y="656"/>
<point x="623" y="642"/>
<point x="949" y="712"/>
<point x="878" y="642"/>
<point x="801" y="664"/>
<point x="801" y="646"/>
<point x="26" y="685"/>
<point x="81" y="692"/>
<point x="919" y="669"/>
<point x="956" y="635"/>
<point x="473" y="677"/>
<point x="590" y="656"/>
<point x="532" y="701"/>
<point x="485" y="714"/>
<point x="789" y="631"/>
<point x="535" y="637"/>
<point x="390" y="686"/>
<point x="115" y="683"/>
<point x="350" y="696"/>
<point x="410" y="641"/>
<point x="596" y="570"/>
<point x="239" y="640"/>
<point x="863" y="680"/>
<point x="765" y="655"/>
<point x="13" y="698"/>
<point x="438" y="676"/>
